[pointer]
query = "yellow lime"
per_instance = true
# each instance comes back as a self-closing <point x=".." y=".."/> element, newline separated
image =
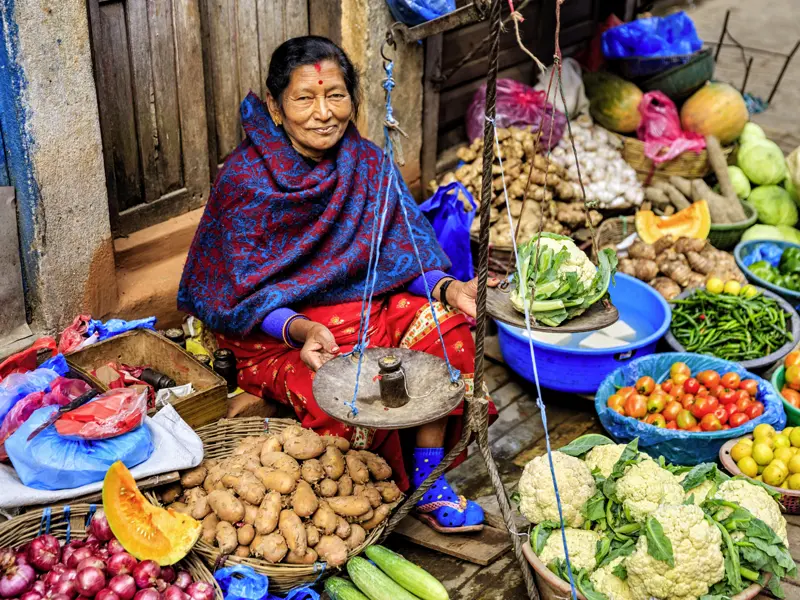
<point x="783" y="454"/>
<point x="732" y="287"/>
<point x="787" y="431"/>
<point x="765" y="430"/>
<point x="794" y="481"/>
<point x="715" y="285"/>
<point x="762" y="454"/>
<point x="794" y="464"/>
<point x="748" y="466"/>
<point x="782" y="465"/>
<point x="794" y="437"/>
<point x="740" y="450"/>
<point x="761" y="469"/>
<point x="748" y="291"/>
<point x="793" y="450"/>
<point x="781" y="441"/>
<point x="773" y="475"/>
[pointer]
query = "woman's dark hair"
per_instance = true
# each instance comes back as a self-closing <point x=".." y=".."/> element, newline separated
<point x="309" y="50"/>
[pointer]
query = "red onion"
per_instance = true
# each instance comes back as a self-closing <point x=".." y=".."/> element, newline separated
<point x="183" y="579"/>
<point x="114" y="547"/>
<point x="44" y="552"/>
<point x="121" y="563"/>
<point x="123" y="586"/>
<point x="200" y="590"/>
<point x="147" y="594"/>
<point x="39" y="587"/>
<point x="31" y="596"/>
<point x="161" y="585"/>
<point x="53" y="596"/>
<point x="106" y="594"/>
<point x="168" y="574"/>
<point x="21" y="558"/>
<point x="69" y="575"/>
<point x="16" y="580"/>
<point x="92" y="561"/>
<point x="78" y="556"/>
<point x="102" y="554"/>
<point x="146" y="573"/>
<point x="99" y="527"/>
<point x="7" y="558"/>
<point x="90" y="581"/>
<point x="173" y="592"/>
<point x="67" y="587"/>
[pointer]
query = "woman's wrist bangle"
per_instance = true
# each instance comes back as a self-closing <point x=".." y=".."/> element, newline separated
<point x="443" y="293"/>
<point x="287" y="339"/>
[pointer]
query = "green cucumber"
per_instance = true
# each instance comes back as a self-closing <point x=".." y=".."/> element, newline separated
<point x="375" y="583"/>
<point x="412" y="577"/>
<point x="341" y="589"/>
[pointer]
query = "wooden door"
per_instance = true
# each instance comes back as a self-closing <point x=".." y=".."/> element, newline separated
<point x="150" y="87"/>
<point x="239" y="38"/>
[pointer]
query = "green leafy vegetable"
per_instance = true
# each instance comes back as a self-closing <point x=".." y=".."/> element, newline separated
<point x="540" y="534"/>
<point x="595" y="507"/>
<point x="658" y="545"/>
<point x="620" y="571"/>
<point x="582" y="445"/>
<point x="775" y="587"/>
<point x="698" y="475"/>
<point x="581" y="578"/>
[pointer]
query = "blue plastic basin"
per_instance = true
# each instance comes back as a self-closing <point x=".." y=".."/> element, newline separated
<point x="579" y="370"/>
<point x="744" y="249"/>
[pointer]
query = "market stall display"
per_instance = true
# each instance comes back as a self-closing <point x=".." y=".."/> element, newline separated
<point x="763" y="264"/>
<point x="786" y="379"/>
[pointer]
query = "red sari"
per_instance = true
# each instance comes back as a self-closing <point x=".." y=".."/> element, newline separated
<point x="270" y="369"/>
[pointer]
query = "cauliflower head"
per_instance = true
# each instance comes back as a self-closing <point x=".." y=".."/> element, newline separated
<point x="578" y="262"/>
<point x="581" y="543"/>
<point x="696" y="548"/>
<point x="645" y="486"/>
<point x="605" y="582"/>
<point x="758" y="501"/>
<point x="604" y="457"/>
<point x="699" y="492"/>
<point x="538" y="498"/>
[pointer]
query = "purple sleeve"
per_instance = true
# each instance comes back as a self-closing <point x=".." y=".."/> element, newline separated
<point x="273" y="323"/>
<point x="417" y="287"/>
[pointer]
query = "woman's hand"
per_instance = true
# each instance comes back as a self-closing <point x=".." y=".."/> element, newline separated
<point x="319" y="345"/>
<point x="463" y="295"/>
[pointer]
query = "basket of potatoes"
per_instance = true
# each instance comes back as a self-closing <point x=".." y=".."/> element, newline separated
<point x="282" y="499"/>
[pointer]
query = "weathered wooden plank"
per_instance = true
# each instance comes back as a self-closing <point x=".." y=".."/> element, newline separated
<point x="325" y="18"/>
<point x="270" y="33"/>
<point x="295" y="19"/>
<point x="495" y="581"/>
<point x="563" y="434"/>
<point x="495" y="376"/>
<point x="512" y="415"/>
<point x="481" y="548"/>
<point x="430" y="110"/>
<point x="208" y="91"/>
<point x="221" y="22"/>
<point x="525" y="435"/>
<point x="506" y="395"/>
<point x="162" y="55"/>
<point x="247" y="56"/>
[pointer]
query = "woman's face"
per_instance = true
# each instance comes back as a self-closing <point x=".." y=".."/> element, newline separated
<point x="316" y="108"/>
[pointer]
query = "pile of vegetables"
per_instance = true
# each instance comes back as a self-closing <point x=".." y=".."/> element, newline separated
<point x="296" y="497"/>
<point x="785" y="275"/>
<point x="638" y="528"/>
<point x="733" y="327"/>
<point x="791" y="378"/>
<point x="95" y="567"/>
<point x="671" y="265"/>
<point x="770" y="456"/>
<point x="560" y="280"/>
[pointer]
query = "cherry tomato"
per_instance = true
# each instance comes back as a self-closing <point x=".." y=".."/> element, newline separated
<point x="756" y="409"/>
<point x="694" y="429"/>
<point x="687" y="401"/>
<point x="667" y="386"/>
<point x="708" y="378"/>
<point x="645" y="385"/>
<point x="679" y="368"/>
<point x="615" y="402"/>
<point x="738" y="419"/>
<point x="731" y="409"/>
<point x="710" y="423"/>
<point x="743" y="403"/>
<point x="793" y="358"/>
<point x="671" y="410"/>
<point x="791" y="396"/>
<point x="656" y="420"/>
<point x="750" y="386"/>
<point x="672" y="425"/>
<point x="680" y="378"/>
<point x="701" y="407"/>
<point x="793" y="377"/>
<point x="691" y="386"/>
<point x="721" y="414"/>
<point x="656" y="403"/>
<point x="685" y="420"/>
<point x="625" y="392"/>
<point x="726" y="396"/>
<point x="635" y="406"/>
<point x="731" y="380"/>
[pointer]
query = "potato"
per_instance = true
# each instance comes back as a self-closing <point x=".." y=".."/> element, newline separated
<point x="312" y="470"/>
<point x="342" y="528"/>
<point x="279" y="481"/>
<point x="209" y="532"/>
<point x="272" y="548"/>
<point x="334" y="440"/>
<point x="242" y="552"/>
<point x="303" y="447"/>
<point x="309" y="558"/>
<point x="268" y="513"/>
<point x="290" y="432"/>
<point x="214" y="479"/>
<point x="197" y="501"/>
<point x="236" y="465"/>
<point x="250" y="513"/>
<point x="304" y="500"/>
<point x="371" y="494"/>
<point x="377" y="466"/>
<point x="356" y="467"/>
<point x="170" y="492"/>
<point x="245" y="534"/>
<point x="280" y="461"/>
<point x="345" y="486"/>
<point x="361" y="518"/>
<point x="272" y="444"/>
<point x="312" y="535"/>
<point x="332" y="550"/>
<point x="389" y="491"/>
<point x="381" y="514"/>
<point x="292" y="530"/>
<point x="349" y="506"/>
<point x="356" y="537"/>
<point x="226" y="506"/>
<point x="226" y="537"/>
<point x="247" y="486"/>
<point x="327" y="488"/>
<point x="333" y="463"/>
<point x="324" y="519"/>
<point x="179" y="507"/>
<point x="250" y="444"/>
<point x="194" y="477"/>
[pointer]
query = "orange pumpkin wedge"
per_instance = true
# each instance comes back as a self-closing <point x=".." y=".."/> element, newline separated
<point x="692" y="222"/>
<point x="145" y="531"/>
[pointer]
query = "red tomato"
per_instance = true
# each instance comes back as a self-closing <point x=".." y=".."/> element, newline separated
<point x="691" y="386"/>
<point x="672" y="425"/>
<point x="737" y="419"/>
<point x="743" y="403"/>
<point x="701" y="407"/>
<point x="615" y="402"/>
<point x="625" y="392"/>
<point x="694" y="429"/>
<point x="726" y="396"/>
<point x="710" y="423"/>
<point x="635" y="406"/>
<point x="671" y="410"/>
<point x="680" y="378"/>
<point x="731" y="380"/>
<point x="750" y="386"/>
<point x="645" y="385"/>
<point x="716" y="390"/>
<point x="656" y="403"/>
<point x="754" y="410"/>
<point x="685" y="420"/>
<point x="721" y="414"/>
<point x="731" y="409"/>
<point x="687" y="401"/>
<point x="708" y="378"/>
<point x="725" y="426"/>
<point x="667" y="386"/>
<point x="703" y="392"/>
<point x="656" y="420"/>
<point x="793" y="377"/>
<point x="793" y="358"/>
<point x="679" y="368"/>
<point x="791" y="396"/>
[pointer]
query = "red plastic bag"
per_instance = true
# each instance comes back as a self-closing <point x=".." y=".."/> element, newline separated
<point x="518" y="105"/>
<point x="660" y="129"/>
<point x="72" y="336"/>
<point x="25" y="361"/>
<point x="111" y="414"/>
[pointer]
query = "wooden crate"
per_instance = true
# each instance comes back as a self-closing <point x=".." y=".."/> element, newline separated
<point x="207" y="404"/>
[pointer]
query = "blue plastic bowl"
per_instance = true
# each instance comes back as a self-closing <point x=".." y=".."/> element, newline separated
<point x="744" y="249"/>
<point x="579" y="370"/>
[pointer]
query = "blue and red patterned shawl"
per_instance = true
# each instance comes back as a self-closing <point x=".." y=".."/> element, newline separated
<point x="277" y="232"/>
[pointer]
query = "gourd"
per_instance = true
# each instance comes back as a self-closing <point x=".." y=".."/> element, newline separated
<point x="413" y="578"/>
<point x="374" y="582"/>
<point x="715" y="109"/>
<point x="614" y="102"/>
<point x="341" y="589"/>
<point x="691" y="222"/>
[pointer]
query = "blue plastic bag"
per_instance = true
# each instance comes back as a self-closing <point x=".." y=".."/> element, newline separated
<point x="52" y="462"/>
<point x="680" y="447"/>
<point x="451" y="222"/>
<point x="417" y="12"/>
<point x="18" y="385"/>
<point x="674" y="35"/>
<point x="114" y="327"/>
<point x="241" y="582"/>
<point x="767" y="251"/>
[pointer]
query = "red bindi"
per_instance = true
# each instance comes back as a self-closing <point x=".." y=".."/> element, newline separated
<point x="318" y="67"/>
<point x="320" y="81"/>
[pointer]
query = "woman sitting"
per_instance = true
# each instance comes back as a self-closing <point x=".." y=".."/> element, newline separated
<point x="287" y="228"/>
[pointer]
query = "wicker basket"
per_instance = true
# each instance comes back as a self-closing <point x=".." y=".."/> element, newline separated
<point x="726" y="236"/>
<point x="70" y="521"/>
<point x="219" y="441"/>
<point x="612" y="231"/>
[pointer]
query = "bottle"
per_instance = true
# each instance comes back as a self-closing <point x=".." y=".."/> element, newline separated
<point x="176" y="336"/>
<point x="157" y="379"/>
<point x="225" y="367"/>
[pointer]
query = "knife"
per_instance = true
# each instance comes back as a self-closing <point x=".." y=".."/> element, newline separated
<point x="79" y="401"/>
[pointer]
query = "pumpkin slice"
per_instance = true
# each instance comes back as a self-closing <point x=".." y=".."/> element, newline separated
<point x="145" y="531"/>
<point x="692" y="222"/>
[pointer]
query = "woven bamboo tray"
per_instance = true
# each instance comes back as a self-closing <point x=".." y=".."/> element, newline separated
<point x="219" y="441"/>
<point x="71" y="521"/>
